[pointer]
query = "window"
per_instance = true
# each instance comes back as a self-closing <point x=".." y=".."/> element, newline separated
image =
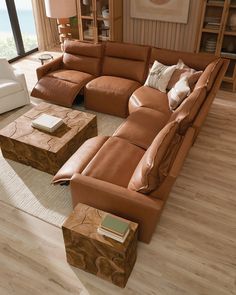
<point x="17" y="29"/>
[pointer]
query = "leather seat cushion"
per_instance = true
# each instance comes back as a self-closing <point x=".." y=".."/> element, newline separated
<point x="149" y="173"/>
<point x="108" y="94"/>
<point x="142" y="126"/>
<point x="80" y="159"/>
<point x="189" y="108"/>
<point x="150" y="98"/>
<point x="115" y="162"/>
<point x="59" y="91"/>
<point x="76" y="77"/>
<point x="8" y="87"/>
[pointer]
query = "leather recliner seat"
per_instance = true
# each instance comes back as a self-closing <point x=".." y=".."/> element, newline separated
<point x="61" y="80"/>
<point x="124" y="70"/>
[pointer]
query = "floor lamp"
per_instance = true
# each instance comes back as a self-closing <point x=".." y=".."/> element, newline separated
<point x="62" y="10"/>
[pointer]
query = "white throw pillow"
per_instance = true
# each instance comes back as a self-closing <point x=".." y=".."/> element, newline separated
<point x="178" y="93"/>
<point x="159" y="76"/>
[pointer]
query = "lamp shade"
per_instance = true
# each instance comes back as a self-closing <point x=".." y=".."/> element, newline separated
<point x="60" y="8"/>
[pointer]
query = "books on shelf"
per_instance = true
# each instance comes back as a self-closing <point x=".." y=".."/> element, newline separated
<point x="212" y="25"/>
<point x="47" y="123"/>
<point x="228" y="54"/>
<point x="114" y="227"/>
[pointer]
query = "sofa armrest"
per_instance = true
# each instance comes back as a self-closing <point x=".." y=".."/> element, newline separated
<point x="49" y="67"/>
<point x="203" y="112"/>
<point x="182" y="153"/>
<point x="119" y="201"/>
<point x="20" y="77"/>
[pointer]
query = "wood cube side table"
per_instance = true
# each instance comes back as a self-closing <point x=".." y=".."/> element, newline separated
<point x="97" y="254"/>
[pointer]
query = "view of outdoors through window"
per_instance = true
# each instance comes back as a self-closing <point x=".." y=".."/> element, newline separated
<point x="8" y="48"/>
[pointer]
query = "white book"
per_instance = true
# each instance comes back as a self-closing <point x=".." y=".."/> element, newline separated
<point x="47" y="122"/>
<point x="108" y="234"/>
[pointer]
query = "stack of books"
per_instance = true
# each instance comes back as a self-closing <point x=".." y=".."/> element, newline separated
<point x="47" y="123"/>
<point x="213" y="26"/>
<point x="114" y="227"/>
<point x="212" y="23"/>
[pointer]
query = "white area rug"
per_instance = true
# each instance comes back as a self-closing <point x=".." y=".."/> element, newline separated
<point x="29" y="189"/>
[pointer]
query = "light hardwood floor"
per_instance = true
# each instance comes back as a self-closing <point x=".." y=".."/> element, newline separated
<point x="193" y="251"/>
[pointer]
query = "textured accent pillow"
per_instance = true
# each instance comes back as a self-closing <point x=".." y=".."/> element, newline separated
<point x="178" y="93"/>
<point x="182" y="71"/>
<point x="159" y="76"/>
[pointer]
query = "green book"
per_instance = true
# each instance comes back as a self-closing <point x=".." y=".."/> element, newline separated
<point x="115" y="225"/>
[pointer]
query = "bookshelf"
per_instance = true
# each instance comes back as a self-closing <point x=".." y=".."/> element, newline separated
<point x="100" y="20"/>
<point x="217" y="33"/>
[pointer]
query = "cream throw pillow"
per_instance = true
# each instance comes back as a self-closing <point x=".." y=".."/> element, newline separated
<point x="182" y="71"/>
<point x="159" y="76"/>
<point x="178" y="93"/>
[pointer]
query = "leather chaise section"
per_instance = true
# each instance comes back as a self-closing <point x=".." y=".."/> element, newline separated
<point x="80" y="159"/>
<point x="115" y="162"/>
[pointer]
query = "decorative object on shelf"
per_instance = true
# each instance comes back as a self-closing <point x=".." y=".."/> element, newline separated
<point x="62" y="10"/>
<point x="105" y="14"/>
<point x="86" y="2"/>
<point x="175" y="11"/>
<point x="232" y="22"/>
<point x="210" y="45"/>
<point x="90" y="30"/>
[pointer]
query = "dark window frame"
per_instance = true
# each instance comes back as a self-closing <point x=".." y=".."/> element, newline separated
<point x="12" y="13"/>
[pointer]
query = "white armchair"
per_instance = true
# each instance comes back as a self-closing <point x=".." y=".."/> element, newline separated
<point x="13" y="89"/>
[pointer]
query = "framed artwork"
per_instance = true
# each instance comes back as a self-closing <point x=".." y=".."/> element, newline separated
<point x="175" y="11"/>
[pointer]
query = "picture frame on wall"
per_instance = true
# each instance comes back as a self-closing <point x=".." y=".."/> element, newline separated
<point x="175" y="11"/>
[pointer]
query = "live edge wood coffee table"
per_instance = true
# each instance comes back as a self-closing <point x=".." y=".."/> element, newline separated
<point x="46" y="151"/>
<point x="97" y="254"/>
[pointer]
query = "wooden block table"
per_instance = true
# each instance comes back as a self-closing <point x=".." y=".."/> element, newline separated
<point x="47" y="151"/>
<point x="97" y="254"/>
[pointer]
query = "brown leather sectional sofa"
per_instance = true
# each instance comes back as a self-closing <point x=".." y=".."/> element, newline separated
<point x="131" y="172"/>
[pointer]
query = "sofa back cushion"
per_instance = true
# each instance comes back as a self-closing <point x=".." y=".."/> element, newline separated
<point x="189" y="108"/>
<point x="209" y="75"/>
<point x="84" y="57"/>
<point x="148" y="175"/>
<point x="197" y="61"/>
<point x="126" y="61"/>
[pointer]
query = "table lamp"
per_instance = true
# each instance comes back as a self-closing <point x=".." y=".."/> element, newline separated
<point x="62" y="10"/>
